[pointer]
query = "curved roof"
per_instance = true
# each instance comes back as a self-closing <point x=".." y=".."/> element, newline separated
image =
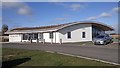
<point x="97" y="24"/>
<point x="59" y="27"/>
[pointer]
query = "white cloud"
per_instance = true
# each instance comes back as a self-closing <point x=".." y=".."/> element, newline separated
<point x="115" y="27"/>
<point x="92" y="18"/>
<point x="22" y="8"/>
<point x="12" y="4"/>
<point x="60" y="19"/>
<point x="24" y="11"/>
<point x="104" y="14"/>
<point x="75" y="7"/>
<point x="11" y="0"/>
<point x="116" y="9"/>
<point x="60" y="3"/>
<point x="0" y="4"/>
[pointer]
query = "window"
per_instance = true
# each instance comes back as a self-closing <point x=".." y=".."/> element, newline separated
<point x="100" y="36"/>
<point x="51" y="35"/>
<point x="68" y="34"/>
<point x="35" y="36"/>
<point x="41" y="36"/>
<point x="83" y="34"/>
<point x="30" y="36"/>
<point x="25" y="36"/>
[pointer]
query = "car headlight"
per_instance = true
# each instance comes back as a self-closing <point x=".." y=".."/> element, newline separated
<point x="101" y="42"/>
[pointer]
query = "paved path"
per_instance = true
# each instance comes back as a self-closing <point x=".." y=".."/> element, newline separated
<point x="106" y="53"/>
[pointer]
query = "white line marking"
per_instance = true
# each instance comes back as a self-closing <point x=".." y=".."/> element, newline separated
<point x="85" y="57"/>
<point x="89" y="58"/>
<point x="50" y="51"/>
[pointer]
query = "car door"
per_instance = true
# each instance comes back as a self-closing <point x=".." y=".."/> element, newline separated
<point x="107" y="39"/>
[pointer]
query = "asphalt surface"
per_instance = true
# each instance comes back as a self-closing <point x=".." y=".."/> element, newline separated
<point x="107" y="53"/>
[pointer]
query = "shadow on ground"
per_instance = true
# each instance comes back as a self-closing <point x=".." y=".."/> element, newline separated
<point x="13" y="63"/>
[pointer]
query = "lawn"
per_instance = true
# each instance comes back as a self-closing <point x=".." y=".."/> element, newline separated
<point x="21" y="57"/>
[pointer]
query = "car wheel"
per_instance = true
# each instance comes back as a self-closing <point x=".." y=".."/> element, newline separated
<point x="105" y="42"/>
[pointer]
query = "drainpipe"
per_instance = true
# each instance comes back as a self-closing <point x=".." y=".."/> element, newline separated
<point x="21" y="37"/>
<point x="60" y="41"/>
<point x="55" y="37"/>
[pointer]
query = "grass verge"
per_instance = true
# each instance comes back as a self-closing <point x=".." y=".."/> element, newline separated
<point x="41" y="58"/>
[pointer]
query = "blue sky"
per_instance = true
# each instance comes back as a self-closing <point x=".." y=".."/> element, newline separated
<point x="34" y="14"/>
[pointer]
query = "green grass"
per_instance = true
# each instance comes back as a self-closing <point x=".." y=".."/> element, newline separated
<point x="41" y="58"/>
<point x="115" y="40"/>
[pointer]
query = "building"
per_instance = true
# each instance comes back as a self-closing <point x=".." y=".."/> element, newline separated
<point x="70" y="32"/>
<point x="115" y="36"/>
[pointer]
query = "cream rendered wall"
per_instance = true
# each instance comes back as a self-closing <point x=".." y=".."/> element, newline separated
<point x="15" y="38"/>
<point x="76" y="33"/>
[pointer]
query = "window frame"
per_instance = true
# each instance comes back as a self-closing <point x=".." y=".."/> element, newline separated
<point x="25" y="37"/>
<point x="69" y="35"/>
<point x="41" y="36"/>
<point x="51" y="36"/>
<point x="83" y="34"/>
<point x="29" y="36"/>
<point x="35" y="36"/>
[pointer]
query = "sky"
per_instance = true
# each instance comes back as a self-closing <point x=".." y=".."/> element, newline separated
<point x="35" y="14"/>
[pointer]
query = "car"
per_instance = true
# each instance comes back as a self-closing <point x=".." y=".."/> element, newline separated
<point x="102" y="39"/>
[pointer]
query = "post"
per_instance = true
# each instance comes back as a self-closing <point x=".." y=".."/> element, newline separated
<point x="51" y="41"/>
<point x="30" y="40"/>
<point x="43" y="41"/>
<point x="37" y="41"/>
<point x="60" y="41"/>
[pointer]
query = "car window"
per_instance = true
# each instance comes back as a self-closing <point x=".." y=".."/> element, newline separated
<point x="100" y="37"/>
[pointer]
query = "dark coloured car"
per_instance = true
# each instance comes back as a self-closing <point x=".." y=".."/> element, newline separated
<point x="102" y="39"/>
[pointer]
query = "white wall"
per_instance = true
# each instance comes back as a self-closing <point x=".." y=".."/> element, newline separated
<point x="76" y="33"/>
<point x="15" y="37"/>
<point x="46" y="37"/>
<point x="55" y="37"/>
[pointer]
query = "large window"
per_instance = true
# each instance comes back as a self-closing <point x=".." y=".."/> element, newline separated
<point x="68" y="35"/>
<point x="51" y="35"/>
<point x="83" y="34"/>
<point x="25" y="36"/>
<point x="30" y="36"/>
<point x="40" y="35"/>
<point x="35" y="36"/>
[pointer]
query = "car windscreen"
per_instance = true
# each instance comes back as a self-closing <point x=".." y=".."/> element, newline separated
<point x="100" y="37"/>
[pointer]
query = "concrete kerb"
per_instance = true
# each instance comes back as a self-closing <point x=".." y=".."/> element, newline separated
<point x="4" y="42"/>
<point x="84" y="57"/>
